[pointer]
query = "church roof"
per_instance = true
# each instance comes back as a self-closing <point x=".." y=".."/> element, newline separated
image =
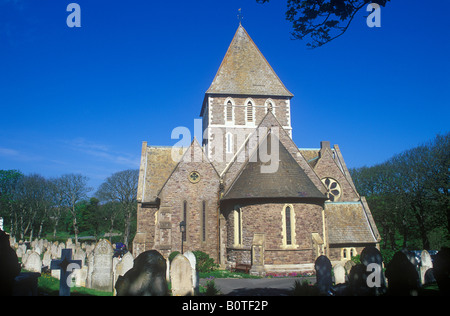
<point x="157" y="164"/>
<point x="350" y="222"/>
<point x="244" y="70"/>
<point x="288" y="181"/>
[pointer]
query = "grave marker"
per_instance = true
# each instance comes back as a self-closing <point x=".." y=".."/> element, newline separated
<point x="66" y="265"/>
<point x="181" y="276"/>
<point x="323" y="274"/>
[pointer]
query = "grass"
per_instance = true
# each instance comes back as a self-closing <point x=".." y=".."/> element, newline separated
<point x="49" y="286"/>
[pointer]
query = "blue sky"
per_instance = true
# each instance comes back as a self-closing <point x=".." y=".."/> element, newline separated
<point x="83" y="99"/>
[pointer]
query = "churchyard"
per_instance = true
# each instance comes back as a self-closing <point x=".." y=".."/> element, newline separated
<point x="92" y="269"/>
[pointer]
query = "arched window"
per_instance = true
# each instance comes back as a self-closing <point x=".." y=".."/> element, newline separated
<point x="229" y="111"/>
<point x="288" y="216"/>
<point x="184" y="219"/>
<point x="249" y="111"/>
<point x="229" y="143"/>
<point x="204" y="220"/>
<point x="237" y="214"/>
<point x="288" y="225"/>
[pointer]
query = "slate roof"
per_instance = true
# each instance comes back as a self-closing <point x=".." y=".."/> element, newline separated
<point x="158" y="166"/>
<point x="289" y="180"/>
<point x="348" y="222"/>
<point x="244" y="70"/>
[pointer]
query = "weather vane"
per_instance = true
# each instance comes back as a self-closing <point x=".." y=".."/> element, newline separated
<point x="240" y="16"/>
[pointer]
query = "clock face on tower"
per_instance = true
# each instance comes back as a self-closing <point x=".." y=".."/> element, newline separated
<point x="334" y="190"/>
<point x="194" y="177"/>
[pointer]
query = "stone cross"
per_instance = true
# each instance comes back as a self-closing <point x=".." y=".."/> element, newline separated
<point x="240" y="16"/>
<point x="66" y="265"/>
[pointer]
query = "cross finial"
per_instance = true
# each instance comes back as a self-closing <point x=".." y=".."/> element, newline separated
<point x="240" y="16"/>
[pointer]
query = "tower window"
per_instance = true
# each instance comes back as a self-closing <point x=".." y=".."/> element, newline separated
<point x="249" y="111"/>
<point x="229" y="111"/>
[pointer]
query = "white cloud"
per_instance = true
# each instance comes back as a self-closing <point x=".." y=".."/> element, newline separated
<point x="7" y="152"/>
<point x="103" y="153"/>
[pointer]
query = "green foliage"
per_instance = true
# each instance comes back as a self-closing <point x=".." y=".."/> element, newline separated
<point x="204" y="262"/>
<point x="409" y="196"/>
<point x="210" y="288"/>
<point x="356" y="259"/>
<point x="172" y="255"/>
<point x="49" y="286"/>
<point x="303" y="288"/>
<point x="58" y="208"/>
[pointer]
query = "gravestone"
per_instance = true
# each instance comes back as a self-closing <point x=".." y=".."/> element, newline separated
<point x="102" y="274"/>
<point x="339" y="274"/>
<point x="47" y="259"/>
<point x="195" y="277"/>
<point x="123" y="266"/>
<point x="426" y="264"/>
<point x="61" y="246"/>
<point x="357" y="280"/>
<point x="429" y="277"/>
<point x="54" y="250"/>
<point x="402" y="276"/>
<point x="147" y="277"/>
<point x="181" y="276"/>
<point x="167" y="270"/>
<point x="349" y="264"/>
<point x="441" y="269"/>
<point x="66" y="266"/>
<point x="90" y="265"/>
<point x="33" y="262"/>
<point x="323" y="274"/>
<point x="81" y="274"/>
<point x="9" y="265"/>
<point x="19" y="252"/>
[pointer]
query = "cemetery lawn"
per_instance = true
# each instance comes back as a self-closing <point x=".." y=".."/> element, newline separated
<point x="49" y="286"/>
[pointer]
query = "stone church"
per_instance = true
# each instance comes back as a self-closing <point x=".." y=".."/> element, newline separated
<point x="246" y="193"/>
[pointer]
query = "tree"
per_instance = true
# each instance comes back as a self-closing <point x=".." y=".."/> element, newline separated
<point x="121" y="187"/>
<point x="58" y="204"/>
<point x="409" y="194"/>
<point x="322" y="20"/>
<point x="74" y="188"/>
<point x="8" y="184"/>
<point x="30" y="199"/>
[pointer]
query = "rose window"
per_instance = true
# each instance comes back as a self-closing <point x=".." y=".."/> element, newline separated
<point x="333" y="189"/>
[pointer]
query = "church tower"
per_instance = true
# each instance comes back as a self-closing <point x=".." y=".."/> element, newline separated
<point x="244" y="89"/>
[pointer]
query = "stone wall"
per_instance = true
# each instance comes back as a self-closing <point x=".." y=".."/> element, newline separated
<point x="266" y="218"/>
